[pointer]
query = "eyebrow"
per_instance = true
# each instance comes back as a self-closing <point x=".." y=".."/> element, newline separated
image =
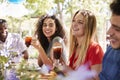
<point x="79" y="20"/>
<point x="49" y="23"/>
<point x="118" y="27"/>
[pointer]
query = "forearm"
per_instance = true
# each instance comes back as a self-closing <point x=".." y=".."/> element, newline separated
<point x="42" y="54"/>
<point x="45" y="59"/>
<point x="96" y="68"/>
<point x="40" y="63"/>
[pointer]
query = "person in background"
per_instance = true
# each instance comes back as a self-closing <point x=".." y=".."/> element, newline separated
<point x="48" y="27"/>
<point x="84" y="49"/>
<point x="11" y="44"/>
<point x="111" y="60"/>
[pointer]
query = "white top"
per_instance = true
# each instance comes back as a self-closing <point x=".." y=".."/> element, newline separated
<point x="14" y="45"/>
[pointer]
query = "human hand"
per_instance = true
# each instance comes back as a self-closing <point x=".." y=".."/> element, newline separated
<point x="35" y="43"/>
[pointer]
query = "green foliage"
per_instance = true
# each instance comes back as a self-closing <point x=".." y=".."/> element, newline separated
<point x="38" y="7"/>
<point x="3" y="59"/>
<point x="24" y="71"/>
<point x="31" y="1"/>
<point x="1" y="1"/>
<point x="27" y="72"/>
<point x="64" y="9"/>
<point x="1" y="75"/>
<point x="59" y="1"/>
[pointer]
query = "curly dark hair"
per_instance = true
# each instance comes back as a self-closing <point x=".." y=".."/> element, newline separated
<point x="115" y="7"/>
<point x="41" y="37"/>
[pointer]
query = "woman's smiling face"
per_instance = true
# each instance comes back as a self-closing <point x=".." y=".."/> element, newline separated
<point x="78" y="25"/>
<point x="49" y="27"/>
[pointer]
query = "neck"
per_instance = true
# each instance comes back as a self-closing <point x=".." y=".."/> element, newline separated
<point x="48" y="39"/>
<point x="79" y="41"/>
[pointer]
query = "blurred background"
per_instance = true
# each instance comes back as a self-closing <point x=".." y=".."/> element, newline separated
<point x="22" y="15"/>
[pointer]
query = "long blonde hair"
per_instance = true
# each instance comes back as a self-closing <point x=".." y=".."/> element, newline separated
<point x="90" y="29"/>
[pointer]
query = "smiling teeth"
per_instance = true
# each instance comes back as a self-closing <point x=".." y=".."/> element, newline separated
<point x="112" y="40"/>
<point x="75" y="29"/>
<point x="47" y="31"/>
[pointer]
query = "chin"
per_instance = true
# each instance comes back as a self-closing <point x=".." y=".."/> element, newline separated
<point x="115" y="46"/>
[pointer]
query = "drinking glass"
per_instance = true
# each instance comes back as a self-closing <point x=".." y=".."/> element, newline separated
<point x="28" y="40"/>
<point x="57" y="51"/>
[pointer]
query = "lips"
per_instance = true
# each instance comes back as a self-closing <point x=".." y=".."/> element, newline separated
<point x="112" y="40"/>
<point x="75" y="29"/>
<point x="47" y="32"/>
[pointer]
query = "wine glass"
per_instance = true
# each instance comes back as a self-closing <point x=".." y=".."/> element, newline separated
<point x="57" y="51"/>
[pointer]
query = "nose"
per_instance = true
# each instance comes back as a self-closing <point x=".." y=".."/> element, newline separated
<point x="110" y="31"/>
<point x="74" y="24"/>
<point x="47" y="26"/>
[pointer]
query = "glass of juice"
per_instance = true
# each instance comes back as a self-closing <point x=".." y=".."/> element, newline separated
<point x="28" y="40"/>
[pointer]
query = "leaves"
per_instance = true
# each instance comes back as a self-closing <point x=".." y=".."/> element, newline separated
<point x="3" y="59"/>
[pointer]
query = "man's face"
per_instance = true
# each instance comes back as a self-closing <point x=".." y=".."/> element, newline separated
<point x="3" y="30"/>
<point x="114" y="32"/>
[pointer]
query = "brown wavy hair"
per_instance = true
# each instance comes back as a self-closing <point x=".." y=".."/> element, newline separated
<point x="41" y="37"/>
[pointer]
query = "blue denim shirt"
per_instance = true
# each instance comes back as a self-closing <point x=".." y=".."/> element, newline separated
<point x="111" y="65"/>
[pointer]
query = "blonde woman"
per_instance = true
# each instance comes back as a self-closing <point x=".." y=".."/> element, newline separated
<point x="84" y="48"/>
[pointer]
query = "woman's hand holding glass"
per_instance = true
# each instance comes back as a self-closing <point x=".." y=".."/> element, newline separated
<point x="35" y="43"/>
<point x="28" y="40"/>
<point x="57" y="51"/>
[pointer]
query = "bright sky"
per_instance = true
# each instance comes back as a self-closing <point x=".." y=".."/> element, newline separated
<point x="14" y="10"/>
